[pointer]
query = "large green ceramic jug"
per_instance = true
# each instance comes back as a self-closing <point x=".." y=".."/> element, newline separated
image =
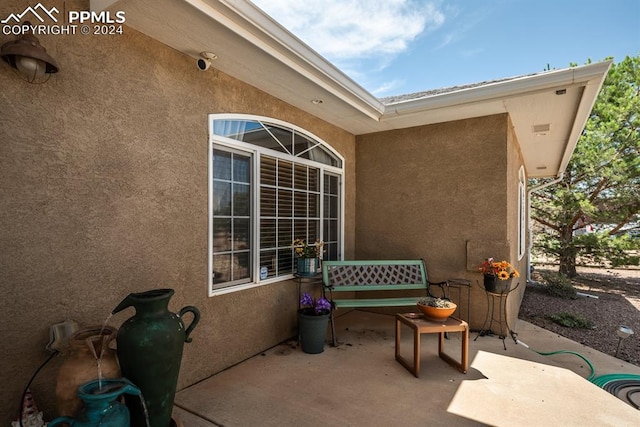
<point x="150" y="351"/>
<point x="101" y="404"/>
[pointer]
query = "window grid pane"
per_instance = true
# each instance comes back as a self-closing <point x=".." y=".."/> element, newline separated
<point x="285" y="174"/>
<point x="330" y="222"/>
<point x="231" y="218"/>
<point x="300" y="204"/>
<point x="268" y="170"/>
<point x="314" y="180"/>
<point x="268" y="260"/>
<point x="221" y="198"/>
<point x="285" y="203"/>
<point x="276" y="138"/>
<point x="267" y="202"/>
<point x="300" y="177"/>
<point x="300" y="227"/>
<point x="267" y="233"/>
<point x="284" y="232"/>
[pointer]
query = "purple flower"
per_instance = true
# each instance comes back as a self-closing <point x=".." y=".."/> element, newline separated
<point x="313" y="306"/>
<point x="322" y="304"/>
<point x="306" y="300"/>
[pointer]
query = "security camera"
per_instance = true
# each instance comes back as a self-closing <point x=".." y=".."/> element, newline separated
<point x="204" y="62"/>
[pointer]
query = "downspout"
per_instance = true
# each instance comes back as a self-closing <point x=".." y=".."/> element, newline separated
<point x="531" y="190"/>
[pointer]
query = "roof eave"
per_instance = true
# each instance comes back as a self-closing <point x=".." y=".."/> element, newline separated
<point x="586" y="75"/>
<point x="590" y="77"/>
<point x="589" y="98"/>
<point x="277" y="41"/>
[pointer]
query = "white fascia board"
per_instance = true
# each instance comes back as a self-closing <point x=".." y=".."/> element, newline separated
<point x="275" y="40"/>
<point x="503" y="89"/>
<point x="587" y="101"/>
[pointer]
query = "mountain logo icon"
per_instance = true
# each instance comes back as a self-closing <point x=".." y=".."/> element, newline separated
<point x="37" y="11"/>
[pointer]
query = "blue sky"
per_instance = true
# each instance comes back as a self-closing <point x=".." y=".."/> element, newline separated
<point x="393" y="47"/>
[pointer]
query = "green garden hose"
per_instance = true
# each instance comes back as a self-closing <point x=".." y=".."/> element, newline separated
<point x="612" y="383"/>
<point x="617" y="383"/>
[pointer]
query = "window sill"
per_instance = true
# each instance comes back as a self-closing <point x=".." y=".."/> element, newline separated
<point x="246" y="286"/>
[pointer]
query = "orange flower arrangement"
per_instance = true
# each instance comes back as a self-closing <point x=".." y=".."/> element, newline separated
<point x="502" y="269"/>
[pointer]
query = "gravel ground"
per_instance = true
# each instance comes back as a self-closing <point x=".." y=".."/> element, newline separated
<point x="618" y="303"/>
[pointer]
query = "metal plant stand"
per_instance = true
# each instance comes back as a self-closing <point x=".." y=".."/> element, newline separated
<point x="497" y="314"/>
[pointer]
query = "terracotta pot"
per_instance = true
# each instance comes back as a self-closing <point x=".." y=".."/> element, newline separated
<point x="437" y="314"/>
<point x="86" y="347"/>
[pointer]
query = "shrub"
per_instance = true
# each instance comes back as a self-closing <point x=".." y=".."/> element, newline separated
<point x="571" y="320"/>
<point x="559" y="285"/>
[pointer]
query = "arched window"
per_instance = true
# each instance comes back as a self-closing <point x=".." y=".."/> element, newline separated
<point x="522" y="214"/>
<point x="270" y="183"/>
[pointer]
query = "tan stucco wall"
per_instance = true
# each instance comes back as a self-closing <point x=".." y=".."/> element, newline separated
<point x="440" y="193"/>
<point x="514" y="163"/>
<point x="103" y="182"/>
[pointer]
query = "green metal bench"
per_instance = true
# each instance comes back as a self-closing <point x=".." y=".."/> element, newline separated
<point x="358" y="276"/>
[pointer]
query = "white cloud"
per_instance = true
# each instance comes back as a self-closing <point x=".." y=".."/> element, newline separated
<point x="387" y="87"/>
<point x="352" y="29"/>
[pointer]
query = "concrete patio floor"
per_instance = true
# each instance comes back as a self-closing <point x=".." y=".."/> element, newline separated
<point x="359" y="383"/>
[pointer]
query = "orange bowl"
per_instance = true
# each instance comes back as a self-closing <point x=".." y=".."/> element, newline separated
<point x="437" y="314"/>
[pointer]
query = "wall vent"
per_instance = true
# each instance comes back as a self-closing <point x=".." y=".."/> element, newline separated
<point x="541" y="130"/>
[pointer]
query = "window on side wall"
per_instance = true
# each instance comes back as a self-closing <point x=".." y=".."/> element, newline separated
<point x="522" y="213"/>
<point x="270" y="183"/>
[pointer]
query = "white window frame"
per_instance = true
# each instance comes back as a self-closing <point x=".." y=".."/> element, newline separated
<point x="522" y="214"/>
<point x="255" y="152"/>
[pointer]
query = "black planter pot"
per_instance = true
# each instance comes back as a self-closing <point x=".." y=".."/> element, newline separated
<point x="496" y="286"/>
<point x="313" y="331"/>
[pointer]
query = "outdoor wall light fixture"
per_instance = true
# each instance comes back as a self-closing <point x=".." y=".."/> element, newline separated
<point x="29" y="58"/>
<point x="622" y="332"/>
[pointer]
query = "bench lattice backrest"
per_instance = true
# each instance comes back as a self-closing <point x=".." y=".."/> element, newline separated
<point x="377" y="274"/>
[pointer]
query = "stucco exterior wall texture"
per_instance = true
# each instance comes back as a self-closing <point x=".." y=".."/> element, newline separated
<point x="440" y="193"/>
<point x="515" y="162"/>
<point x="103" y="182"/>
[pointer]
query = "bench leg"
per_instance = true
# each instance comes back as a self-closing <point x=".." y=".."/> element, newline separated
<point x="397" y="338"/>
<point x="333" y="330"/>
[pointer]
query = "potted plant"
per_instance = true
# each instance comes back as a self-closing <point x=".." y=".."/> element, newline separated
<point x="438" y="309"/>
<point x="313" y="317"/>
<point x="307" y="256"/>
<point x="497" y="275"/>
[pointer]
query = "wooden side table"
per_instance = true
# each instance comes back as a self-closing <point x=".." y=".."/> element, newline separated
<point x="420" y="326"/>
